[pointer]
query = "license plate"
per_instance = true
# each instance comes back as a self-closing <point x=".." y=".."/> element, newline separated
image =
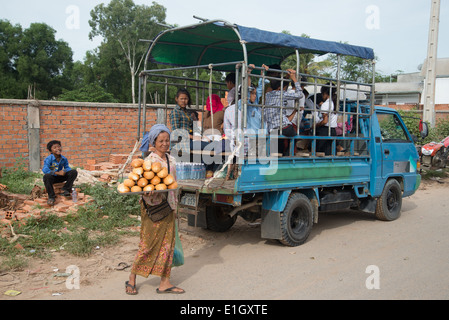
<point x="189" y="199"/>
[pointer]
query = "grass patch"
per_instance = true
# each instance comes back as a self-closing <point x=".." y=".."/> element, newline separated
<point x="18" y="179"/>
<point x="98" y="223"/>
<point x="429" y="174"/>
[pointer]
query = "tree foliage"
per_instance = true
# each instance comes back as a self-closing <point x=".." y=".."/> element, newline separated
<point x="109" y="73"/>
<point x="125" y="23"/>
<point x="33" y="57"/>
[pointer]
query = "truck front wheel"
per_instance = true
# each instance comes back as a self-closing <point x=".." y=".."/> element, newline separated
<point x="389" y="204"/>
<point x="296" y="220"/>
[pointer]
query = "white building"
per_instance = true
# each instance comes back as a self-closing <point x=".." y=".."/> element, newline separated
<point x="409" y="89"/>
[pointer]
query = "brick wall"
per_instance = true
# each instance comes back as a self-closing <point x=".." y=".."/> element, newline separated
<point x="86" y="130"/>
<point x="441" y="110"/>
<point x="13" y="133"/>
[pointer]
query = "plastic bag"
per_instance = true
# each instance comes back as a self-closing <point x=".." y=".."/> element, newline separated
<point x="178" y="255"/>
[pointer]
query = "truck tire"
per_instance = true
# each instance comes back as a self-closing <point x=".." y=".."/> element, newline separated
<point x="218" y="219"/>
<point x="389" y="204"/>
<point x="296" y="220"/>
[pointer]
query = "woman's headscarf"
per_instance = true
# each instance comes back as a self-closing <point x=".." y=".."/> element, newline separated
<point x="155" y="131"/>
<point x="216" y="104"/>
<point x="150" y="137"/>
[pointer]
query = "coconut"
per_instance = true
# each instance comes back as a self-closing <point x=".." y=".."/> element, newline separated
<point x="156" y="167"/>
<point x="148" y="175"/>
<point x="155" y="181"/>
<point x="161" y="187"/>
<point x="136" y="189"/>
<point x="147" y="165"/>
<point x="138" y="171"/>
<point x="122" y="188"/>
<point x="163" y="173"/>
<point x="137" y="163"/>
<point x="168" y="180"/>
<point x="148" y="188"/>
<point x="133" y="176"/>
<point x="174" y="185"/>
<point x="142" y="182"/>
<point x="129" y="183"/>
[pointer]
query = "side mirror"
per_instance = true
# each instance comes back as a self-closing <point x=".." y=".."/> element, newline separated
<point x="423" y="129"/>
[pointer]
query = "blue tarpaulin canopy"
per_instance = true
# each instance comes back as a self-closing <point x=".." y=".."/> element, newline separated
<point x="219" y="42"/>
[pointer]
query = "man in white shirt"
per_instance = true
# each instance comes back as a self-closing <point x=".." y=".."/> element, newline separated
<point x="330" y="119"/>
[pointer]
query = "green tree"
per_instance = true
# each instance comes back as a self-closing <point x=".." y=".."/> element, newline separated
<point x="88" y="93"/>
<point x="33" y="57"/>
<point x="9" y="52"/>
<point x="307" y="62"/>
<point x="43" y="61"/>
<point x="124" y="22"/>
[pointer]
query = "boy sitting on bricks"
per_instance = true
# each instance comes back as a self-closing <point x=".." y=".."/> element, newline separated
<point x="56" y="169"/>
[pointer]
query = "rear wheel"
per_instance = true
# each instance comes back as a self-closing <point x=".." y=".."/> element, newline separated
<point x="389" y="203"/>
<point x="296" y="220"/>
<point x="218" y="218"/>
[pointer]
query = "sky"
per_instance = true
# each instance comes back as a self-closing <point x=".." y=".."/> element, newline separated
<point x="397" y="30"/>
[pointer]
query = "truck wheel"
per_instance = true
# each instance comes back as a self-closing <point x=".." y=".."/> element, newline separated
<point x="296" y="220"/>
<point x="218" y="219"/>
<point x="389" y="204"/>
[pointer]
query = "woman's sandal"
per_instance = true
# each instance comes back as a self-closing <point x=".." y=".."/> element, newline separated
<point x="170" y="290"/>
<point x="133" y="287"/>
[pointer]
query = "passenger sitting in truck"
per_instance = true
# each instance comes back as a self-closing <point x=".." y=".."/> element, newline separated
<point x="329" y="118"/>
<point x="215" y="111"/>
<point x="301" y="102"/>
<point x="254" y="116"/>
<point x="181" y="121"/>
<point x="278" y="123"/>
<point x="230" y="83"/>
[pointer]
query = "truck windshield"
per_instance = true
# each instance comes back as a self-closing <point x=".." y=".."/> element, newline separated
<point x="391" y="128"/>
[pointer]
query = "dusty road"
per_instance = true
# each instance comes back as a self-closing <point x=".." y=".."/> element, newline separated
<point x="349" y="255"/>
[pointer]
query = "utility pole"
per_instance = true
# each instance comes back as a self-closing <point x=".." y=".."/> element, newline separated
<point x="432" y="46"/>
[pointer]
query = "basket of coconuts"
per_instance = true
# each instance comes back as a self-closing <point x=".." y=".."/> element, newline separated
<point x="147" y="176"/>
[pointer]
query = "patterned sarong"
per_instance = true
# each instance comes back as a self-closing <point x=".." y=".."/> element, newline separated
<point x="156" y="247"/>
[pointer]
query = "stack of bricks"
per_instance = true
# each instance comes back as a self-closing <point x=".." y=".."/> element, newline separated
<point x="116" y="161"/>
<point x="37" y="207"/>
<point x="120" y="159"/>
<point x="93" y="165"/>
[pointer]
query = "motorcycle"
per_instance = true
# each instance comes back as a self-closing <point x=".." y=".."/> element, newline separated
<point x="435" y="154"/>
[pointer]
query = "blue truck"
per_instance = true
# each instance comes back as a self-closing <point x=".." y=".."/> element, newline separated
<point x="379" y="164"/>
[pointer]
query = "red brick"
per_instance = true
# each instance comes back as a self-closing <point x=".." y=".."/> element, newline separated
<point x="62" y="208"/>
<point x="30" y="202"/>
<point x="41" y="201"/>
<point x="27" y="208"/>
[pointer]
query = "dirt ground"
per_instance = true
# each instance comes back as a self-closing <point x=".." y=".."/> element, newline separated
<point x="100" y="279"/>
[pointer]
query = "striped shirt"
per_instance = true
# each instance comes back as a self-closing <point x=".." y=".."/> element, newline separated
<point x="272" y="115"/>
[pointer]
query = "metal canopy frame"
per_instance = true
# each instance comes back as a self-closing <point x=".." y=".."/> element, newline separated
<point x="241" y="78"/>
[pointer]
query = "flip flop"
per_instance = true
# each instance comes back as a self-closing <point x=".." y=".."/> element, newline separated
<point x="170" y="290"/>
<point x="122" y="266"/>
<point x="133" y="287"/>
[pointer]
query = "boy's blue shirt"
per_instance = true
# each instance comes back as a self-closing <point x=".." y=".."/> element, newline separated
<point x="52" y="166"/>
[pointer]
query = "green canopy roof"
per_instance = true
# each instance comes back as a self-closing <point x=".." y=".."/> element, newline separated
<point x="219" y="42"/>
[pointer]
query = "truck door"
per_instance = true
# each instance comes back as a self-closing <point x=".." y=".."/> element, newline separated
<point x="399" y="156"/>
